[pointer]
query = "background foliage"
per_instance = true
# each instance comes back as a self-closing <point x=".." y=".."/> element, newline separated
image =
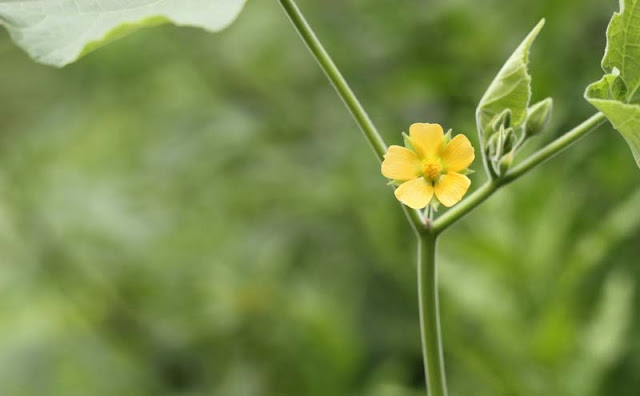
<point x="190" y="214"/>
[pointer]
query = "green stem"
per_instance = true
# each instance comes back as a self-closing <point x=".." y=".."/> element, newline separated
<point x="430" y="316"/>
<point x="346" y="94"/>
<point x="484" y="192"/>
<point x="336" y="78"/>
<point x="468" y="204"/>
<point x="555" y="147"/>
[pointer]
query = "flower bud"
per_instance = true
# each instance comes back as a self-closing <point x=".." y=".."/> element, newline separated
<point x="501" y="120"/>
<point x="508" y="140"/>
<point x="493" y="145"/>
<point x="538" y="118"/>
<point x="505" y="163"/>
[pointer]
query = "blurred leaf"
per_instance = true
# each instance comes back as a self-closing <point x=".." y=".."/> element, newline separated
<point x="603" y="338"/>
<point x="58" y="32"/>
<point x="594" y="246"/>
<point x="614" y="93"/>
<point x="511" y="89"/>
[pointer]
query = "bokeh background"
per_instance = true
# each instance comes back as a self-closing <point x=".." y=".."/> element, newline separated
<point x="192" y="214"/>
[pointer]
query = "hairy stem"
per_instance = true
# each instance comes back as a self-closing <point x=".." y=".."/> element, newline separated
<point x="484" y="192"/>
<point x="346" y="94"/>
<point x="430" y="316"/>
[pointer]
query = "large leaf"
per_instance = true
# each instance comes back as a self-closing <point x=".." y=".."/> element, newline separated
<point x="58" y="32"/>
<point x="511" y="89"/>
<point x="623" y="44"/>
<point x="615" y="94"/>
<point x="625" y="117"/>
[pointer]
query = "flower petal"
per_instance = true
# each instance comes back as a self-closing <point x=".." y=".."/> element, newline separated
<point x="451" y="188"/>
<point x="458" y="154"/>
<point x="427" y="139"/>
<point x="400" y="164"/>
<point x="416" y="193"/>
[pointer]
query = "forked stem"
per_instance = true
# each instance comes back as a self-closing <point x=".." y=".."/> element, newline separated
<point x="425" y="227"/>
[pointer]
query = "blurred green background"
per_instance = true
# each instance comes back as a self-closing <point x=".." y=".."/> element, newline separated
<point x="192" y="214"/>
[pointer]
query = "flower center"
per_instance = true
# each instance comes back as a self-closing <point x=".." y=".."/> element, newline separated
<point x="432" y="170"/>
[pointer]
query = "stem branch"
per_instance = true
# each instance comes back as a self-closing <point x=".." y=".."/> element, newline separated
<point x="484" y="192"/>
<point x="555" y="147"/>
<point x="336" y="78"/>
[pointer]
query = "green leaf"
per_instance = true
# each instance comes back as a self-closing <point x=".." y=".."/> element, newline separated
<point x="615" y="94"/>
<point x="625" y="117"/>
<point x="623" y="44"/>
<point x="511" y="89"/>
<point x="58" y="32"/>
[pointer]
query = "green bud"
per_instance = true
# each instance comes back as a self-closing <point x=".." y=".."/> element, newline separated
<point x="499" y="142"/>
<point x="538" y="118"/>
<point x="618" y="89"/>
<point x="493" y="145"/>
<point x="501" y="120"/>
<point x="508" y="140"/>
<point x="505" y="163"/>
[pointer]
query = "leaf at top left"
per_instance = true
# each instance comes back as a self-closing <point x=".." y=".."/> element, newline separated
<point x="58" y="32"/>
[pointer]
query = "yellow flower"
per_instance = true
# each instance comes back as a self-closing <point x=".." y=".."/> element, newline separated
<point x="430" y="166"/>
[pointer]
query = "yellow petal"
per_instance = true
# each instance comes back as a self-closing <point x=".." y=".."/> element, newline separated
<point x="451" y="188"/>
<point x="416" y="193"/>
<point x="400" y="164"/>
<point x="427" y="139"/>
<point x="458" y="154"/>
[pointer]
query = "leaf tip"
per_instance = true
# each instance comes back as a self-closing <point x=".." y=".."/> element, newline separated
<point x="538" y="27"/>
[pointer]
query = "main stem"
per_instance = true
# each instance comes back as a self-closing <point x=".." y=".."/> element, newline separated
<point x="430" y="316"/>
